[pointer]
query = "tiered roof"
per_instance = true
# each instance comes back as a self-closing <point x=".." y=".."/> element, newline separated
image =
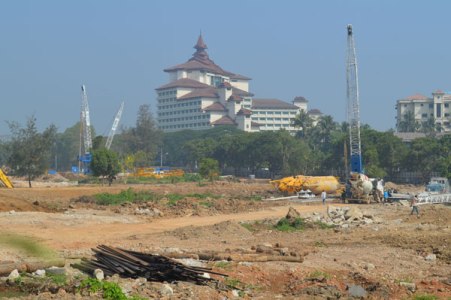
<point x="226" y="120"/>
<point x="271" y="104"/>
<point x="217" y="106"/>
<point x="184" y="82"/>
<point x="202" y="62"/>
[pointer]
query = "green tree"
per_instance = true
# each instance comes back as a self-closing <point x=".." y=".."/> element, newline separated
<point x="105" y="164"/>
<point x="209" y="168"/>
<point x="30" y="150"/>
<point x="304" y="122"/>
<point x="408" y="123"/>
<point x="145" y="136"/>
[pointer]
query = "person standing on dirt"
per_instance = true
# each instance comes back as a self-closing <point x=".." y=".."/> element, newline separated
<point x="414" y="205"/>
<point x="323" y="197"/>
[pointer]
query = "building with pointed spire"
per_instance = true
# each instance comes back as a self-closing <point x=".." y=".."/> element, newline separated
<point x="201" y="95"/>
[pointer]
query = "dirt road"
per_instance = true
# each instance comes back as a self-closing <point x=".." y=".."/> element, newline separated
<point x="85" y="229"/>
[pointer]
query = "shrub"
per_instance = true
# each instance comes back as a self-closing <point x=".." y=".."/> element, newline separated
<point x="285" y="225"/>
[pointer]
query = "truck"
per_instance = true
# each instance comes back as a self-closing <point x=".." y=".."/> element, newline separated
<point x="438" y="185"/>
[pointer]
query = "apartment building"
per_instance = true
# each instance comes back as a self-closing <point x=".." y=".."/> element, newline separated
<point x="423" y="108"/>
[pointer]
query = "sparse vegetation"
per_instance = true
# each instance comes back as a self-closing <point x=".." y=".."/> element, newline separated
<point x="233" y="283"/>
<point x="288" y="226"/>
<point x="28" y="245"/>
<point x="207" y="204"/>
<point x="58" y="279"/>
<point x="253" y="198"/>
<point x="223" y="264"/>
<point x="110" y="290"/>
<point x="425" y="297"/>
<point x="318" y="275"/>
<point x="323" y="225"/>
<point x="128" y="195"/>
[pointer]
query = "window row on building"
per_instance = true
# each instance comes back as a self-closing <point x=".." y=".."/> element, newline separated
<point x="184" y="118"/>
<point x="178" y="112"/>
<point x="185" y="126"/>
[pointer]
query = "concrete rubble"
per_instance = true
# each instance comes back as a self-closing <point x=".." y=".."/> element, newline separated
<point x="344" y="217"/>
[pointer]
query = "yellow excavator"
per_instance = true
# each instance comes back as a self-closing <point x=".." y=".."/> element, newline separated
<point x="4" y="180"/>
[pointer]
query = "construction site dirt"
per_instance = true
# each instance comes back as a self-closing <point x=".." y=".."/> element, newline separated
<point x="386" y="254"/>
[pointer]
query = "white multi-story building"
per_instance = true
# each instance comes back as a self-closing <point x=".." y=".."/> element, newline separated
<point x="201" y="95"/>
<point x="423" y="108"/>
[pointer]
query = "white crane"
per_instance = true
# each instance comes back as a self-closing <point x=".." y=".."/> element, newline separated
<point x="114" y="127"/>
<point x="85" y="122"/>
<point x="353" y="110"/>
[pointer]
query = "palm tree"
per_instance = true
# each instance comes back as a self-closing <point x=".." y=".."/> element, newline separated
<point x="408" y="123"/>
<point x="428" y="126"/>
<point x="326" y="125"/>
<point x="304" y="122"/>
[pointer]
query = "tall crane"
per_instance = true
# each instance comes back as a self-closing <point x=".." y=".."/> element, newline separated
<point x="85" y="132"/>
<point x="85" y="121"/>
<point x="114" y="127"/>
<point x="353" y="110"/>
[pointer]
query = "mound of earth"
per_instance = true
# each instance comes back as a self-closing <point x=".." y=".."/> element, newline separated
<point x="207" y="232"/>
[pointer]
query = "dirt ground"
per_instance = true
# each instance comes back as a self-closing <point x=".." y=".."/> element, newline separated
<point x="389" y="259"/>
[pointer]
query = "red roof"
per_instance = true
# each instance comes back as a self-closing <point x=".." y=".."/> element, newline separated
<point x="271" y="104"/>
<point x="315" y="111"/>
<point x="215" y="107"/>
<point x="438" y="92"/>
<point x="200" y="45"/>
<point x="200" y="93"/>
<point x="241" y="93"/>
<point x="235" y="98"/>
<point x="226" y="120"/>
<point x="239" y="77"/>
<point x="184" y="82"/>
<point x="244" y="111"/>
<point x="300" y="99"/>
<point x="201" y="62"/>
<point x="225" y="84"/>
<point x="416" y="97"/>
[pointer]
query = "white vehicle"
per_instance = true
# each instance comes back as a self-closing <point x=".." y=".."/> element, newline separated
<point x="305" y="194"/>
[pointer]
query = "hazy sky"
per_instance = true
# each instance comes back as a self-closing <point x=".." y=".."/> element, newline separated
<point x="119" y="49"/>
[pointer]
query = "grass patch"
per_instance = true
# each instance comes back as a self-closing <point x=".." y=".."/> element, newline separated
<point x="233" y="283"/>
<point x="128" y="195"/>
<point x="285" y="225"/>
<point x="187" y="177"/>
<point x="323" y="225"/>
<point x="203" y="196"/>
<point x="425" y="297"/>
<point x="318" y="275"/>
<point x="223" y="264"/>
<point x="252" y="198"/>
<point x="207" y="204"/>
<point x="28" y="245"/>
<point x="58" y="279"/>
<point x="319" y="244"/>
<point x="173" y="198"/>
<point x="110" y="290"/>
<point x="248" y="226"/>
<point x="407" y="279"/>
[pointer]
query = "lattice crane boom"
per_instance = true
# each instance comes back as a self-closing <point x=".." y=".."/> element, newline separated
<point x="114" y="127"/>
<point x="353" y="109"/>
<point x="85" y="121"/>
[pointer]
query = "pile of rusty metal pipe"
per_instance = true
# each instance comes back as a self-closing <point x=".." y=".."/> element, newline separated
<point x="131" y="264"/>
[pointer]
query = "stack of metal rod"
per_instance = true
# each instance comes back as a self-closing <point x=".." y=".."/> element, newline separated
<point x="131" y="264"/>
